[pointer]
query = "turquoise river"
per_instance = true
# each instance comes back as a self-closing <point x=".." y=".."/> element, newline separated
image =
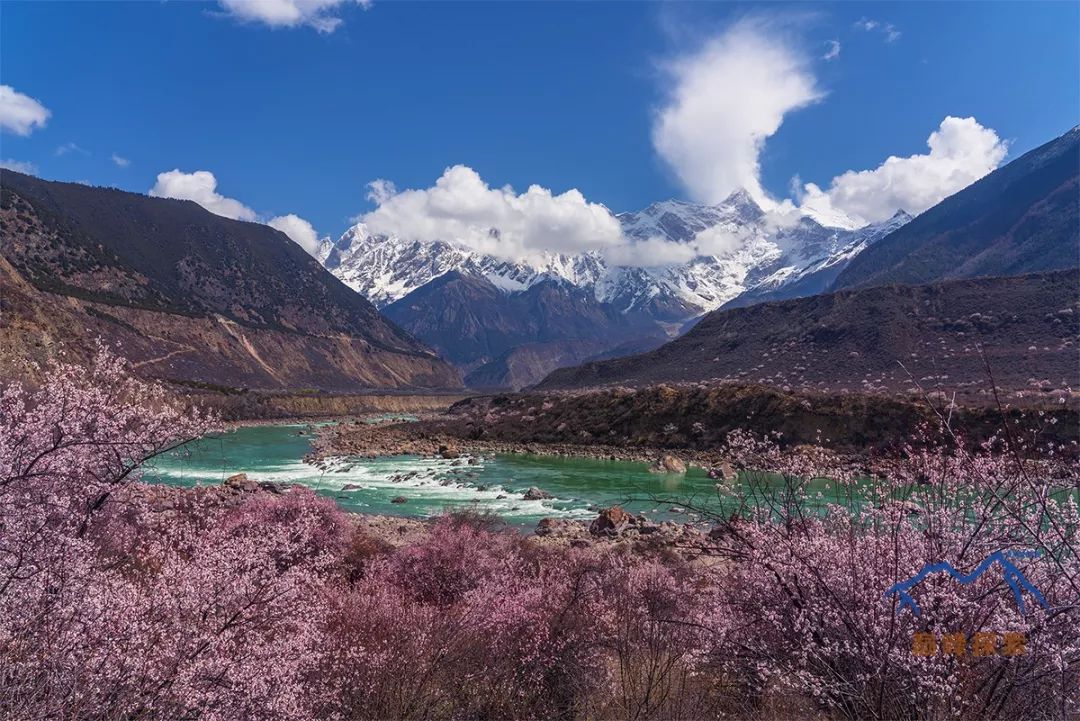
<point x="431" y="485"/>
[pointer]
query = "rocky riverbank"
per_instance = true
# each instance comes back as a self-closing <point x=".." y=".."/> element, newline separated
<point x="428" y="438"/>
<point x="612" y="526"/>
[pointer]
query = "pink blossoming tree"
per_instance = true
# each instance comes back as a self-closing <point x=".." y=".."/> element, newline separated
<point x="120" y="600"/>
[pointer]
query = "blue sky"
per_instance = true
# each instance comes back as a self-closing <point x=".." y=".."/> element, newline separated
<point x="563" y="95"/>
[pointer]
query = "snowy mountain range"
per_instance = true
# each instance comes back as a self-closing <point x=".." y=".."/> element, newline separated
<point x="509" y="323"/>
<point x="756" y="256"/>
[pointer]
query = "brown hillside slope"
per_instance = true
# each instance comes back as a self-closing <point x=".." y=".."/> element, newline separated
<point x="857" y="340"/>
<point x="187" y="296"/>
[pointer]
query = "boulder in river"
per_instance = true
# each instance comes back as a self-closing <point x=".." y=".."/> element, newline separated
<point x="536" y="494"/>
<point x="668" y="463"/>
<point x="449" y="451"/>
<point x="399" y="499"/>
<point x="241" y="482"/>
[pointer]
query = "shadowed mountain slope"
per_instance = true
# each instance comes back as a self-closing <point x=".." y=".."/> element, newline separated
<point x="510" y="340"/>
<point x="856" y="340"/>
<point x="188" y="295"/>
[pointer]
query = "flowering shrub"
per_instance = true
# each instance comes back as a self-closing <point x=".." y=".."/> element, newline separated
<point x="828" y="630"/>
<point x="124" y="601"/>
<point x="112" y="608"/>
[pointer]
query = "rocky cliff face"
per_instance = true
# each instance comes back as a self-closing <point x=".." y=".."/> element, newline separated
<point x="187" y="296"/>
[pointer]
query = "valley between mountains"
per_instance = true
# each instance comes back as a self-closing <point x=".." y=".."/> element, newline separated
<point x="978" y="290"/>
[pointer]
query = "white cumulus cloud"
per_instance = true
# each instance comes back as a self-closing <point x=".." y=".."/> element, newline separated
<point x="317" y="14"/>
<point x="201" y="187"/>
<point x="302" y="232"/>
<point x="961" y="152"/>
<point x="462" y="207"/>
<point x="725" y="100"/>
<point x="19" y="113"/>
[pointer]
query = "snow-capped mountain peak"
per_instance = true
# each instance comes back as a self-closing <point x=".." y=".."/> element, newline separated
<point x="738" y="249"/>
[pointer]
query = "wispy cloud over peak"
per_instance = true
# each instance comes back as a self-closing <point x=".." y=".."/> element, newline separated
<point x="724" y="100"/>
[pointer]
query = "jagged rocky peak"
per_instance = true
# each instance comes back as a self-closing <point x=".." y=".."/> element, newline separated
<point x="680" y="220"/>
<point x="741" y="203"/>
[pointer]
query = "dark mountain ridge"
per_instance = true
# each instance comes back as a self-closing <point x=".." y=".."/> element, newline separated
<point x="191" y="295"/>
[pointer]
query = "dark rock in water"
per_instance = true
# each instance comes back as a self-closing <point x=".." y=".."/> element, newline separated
<point x="610" y="521"/>
<point x="350" y="487"/>
<point x="474" y="461"/>
<point x="449" y="451"/>
<point x="501" y="496"/>
<point x="536" y="494"/>
<point x="481" y="487"/>
<point x="399" y="499"/>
